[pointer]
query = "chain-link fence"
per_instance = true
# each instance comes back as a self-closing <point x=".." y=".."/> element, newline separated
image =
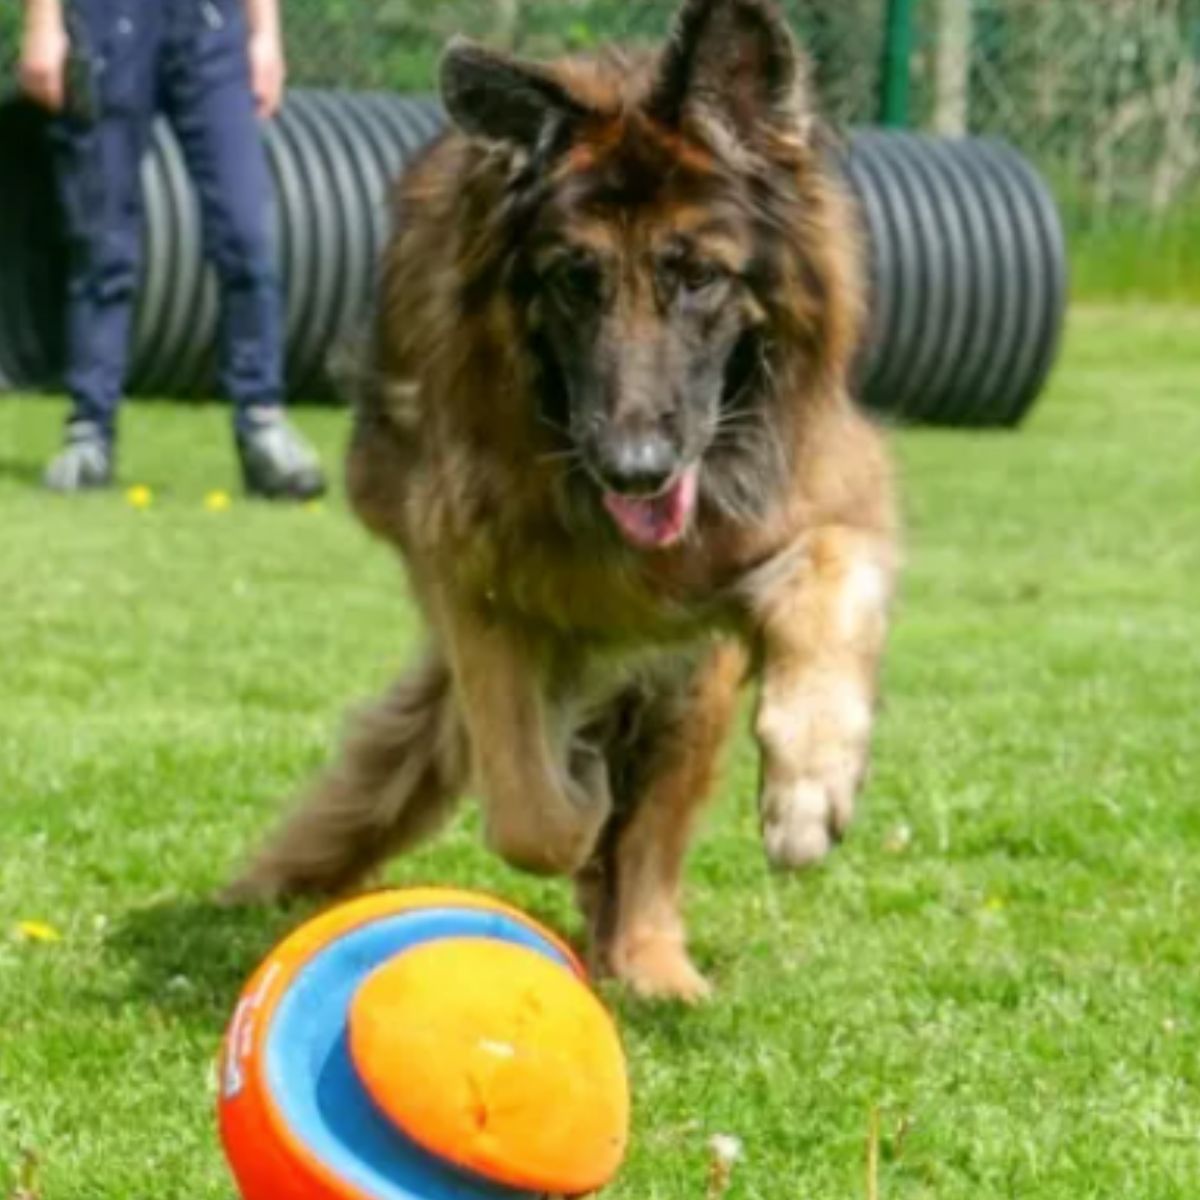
<point x="1104" y="95"/>
<point x="396" y="43"/>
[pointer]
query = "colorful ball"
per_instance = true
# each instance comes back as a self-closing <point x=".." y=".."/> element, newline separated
<point x="421" y="1045"/>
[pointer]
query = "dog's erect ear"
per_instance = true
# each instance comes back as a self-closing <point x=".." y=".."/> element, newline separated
<point x="734" y="62"/>
<point x="491" y="95"/>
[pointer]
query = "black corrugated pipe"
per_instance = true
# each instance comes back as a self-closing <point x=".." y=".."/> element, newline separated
<point x="31" y="252"/>
<point x="966" y="253"/>
<point x="968" y="277"/>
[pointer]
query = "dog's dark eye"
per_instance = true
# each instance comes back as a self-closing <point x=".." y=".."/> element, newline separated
<point x="576" y="277"/>
<point x="697" y="275"/>
<point x="690" y="278"/>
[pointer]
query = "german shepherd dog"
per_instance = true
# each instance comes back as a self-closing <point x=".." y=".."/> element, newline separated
<point x="606" y="420"/>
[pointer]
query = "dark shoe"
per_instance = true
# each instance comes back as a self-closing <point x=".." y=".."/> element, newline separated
<point x="84" y="463"/>
<point x="277" y="463"/>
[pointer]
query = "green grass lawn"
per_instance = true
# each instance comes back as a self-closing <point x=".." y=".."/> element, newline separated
<point x="1002" y="959"/>
<point x="1126" y="261"/>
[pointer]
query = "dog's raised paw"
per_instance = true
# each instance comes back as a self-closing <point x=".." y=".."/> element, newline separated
<point x="801" y="822"/>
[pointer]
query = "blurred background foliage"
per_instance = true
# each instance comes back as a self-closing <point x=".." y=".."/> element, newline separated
<point x="1103" y="95"/>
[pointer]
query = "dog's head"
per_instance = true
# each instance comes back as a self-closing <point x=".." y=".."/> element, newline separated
<point x="659" y="251"/>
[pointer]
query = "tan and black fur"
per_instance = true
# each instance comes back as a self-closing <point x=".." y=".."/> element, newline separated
<point x="606" y="422"/>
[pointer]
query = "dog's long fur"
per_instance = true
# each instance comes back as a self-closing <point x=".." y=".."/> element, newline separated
<point x="584" y="685"/>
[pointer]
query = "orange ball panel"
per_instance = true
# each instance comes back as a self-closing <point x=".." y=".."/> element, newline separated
<point x="494" y="1058"/>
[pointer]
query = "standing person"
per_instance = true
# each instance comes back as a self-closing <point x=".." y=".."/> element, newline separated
<point x="105" y="68"/>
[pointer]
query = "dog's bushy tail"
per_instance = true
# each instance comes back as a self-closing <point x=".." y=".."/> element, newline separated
<point x="403" y="765"/>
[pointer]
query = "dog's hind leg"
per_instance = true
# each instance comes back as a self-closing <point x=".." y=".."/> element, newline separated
<point x="633" y="893"/>
<point x="402" y="767"/>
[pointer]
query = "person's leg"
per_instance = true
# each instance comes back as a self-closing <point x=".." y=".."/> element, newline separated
<point x="209" y="101"/>
<point x="97" y="167"/>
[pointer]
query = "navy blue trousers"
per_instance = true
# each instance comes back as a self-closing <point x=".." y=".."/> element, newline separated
<point x="185" y="59"/>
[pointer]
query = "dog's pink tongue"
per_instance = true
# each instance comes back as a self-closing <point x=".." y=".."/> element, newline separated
<point x="653" y="522"/>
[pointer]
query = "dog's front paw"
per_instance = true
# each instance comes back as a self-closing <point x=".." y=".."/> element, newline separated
<point x="549" y="823"/>
<point x="657" y="967"/>
<point x="802" y="820"/>
<point x="558" y="843"/>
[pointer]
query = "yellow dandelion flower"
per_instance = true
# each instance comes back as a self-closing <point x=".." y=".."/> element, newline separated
<point x="140" y="496"/>
<point x="37" y="931"/>
<point x="217" y="501"/>
<point x="314" y="506"/>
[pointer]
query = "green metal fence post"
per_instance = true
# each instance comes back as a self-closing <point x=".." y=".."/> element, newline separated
<point x="897" y="50"/>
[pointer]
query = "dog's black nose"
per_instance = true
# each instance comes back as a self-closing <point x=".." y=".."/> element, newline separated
<point x="637" y="466"/>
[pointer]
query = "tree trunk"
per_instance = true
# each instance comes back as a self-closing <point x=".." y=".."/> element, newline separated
<point x="953" y="67"/>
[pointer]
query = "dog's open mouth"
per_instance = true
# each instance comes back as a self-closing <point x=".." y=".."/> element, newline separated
<point x="654" y="522"/>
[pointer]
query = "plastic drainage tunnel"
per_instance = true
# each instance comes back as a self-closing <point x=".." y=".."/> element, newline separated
<point x="967" y="260"/>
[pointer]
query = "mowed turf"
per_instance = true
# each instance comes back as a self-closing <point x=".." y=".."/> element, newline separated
<point x="1001" y="962"/>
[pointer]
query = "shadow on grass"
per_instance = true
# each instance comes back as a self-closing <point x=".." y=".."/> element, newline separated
<point x="190" y="958"/>
<point x="21" y="470"/>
